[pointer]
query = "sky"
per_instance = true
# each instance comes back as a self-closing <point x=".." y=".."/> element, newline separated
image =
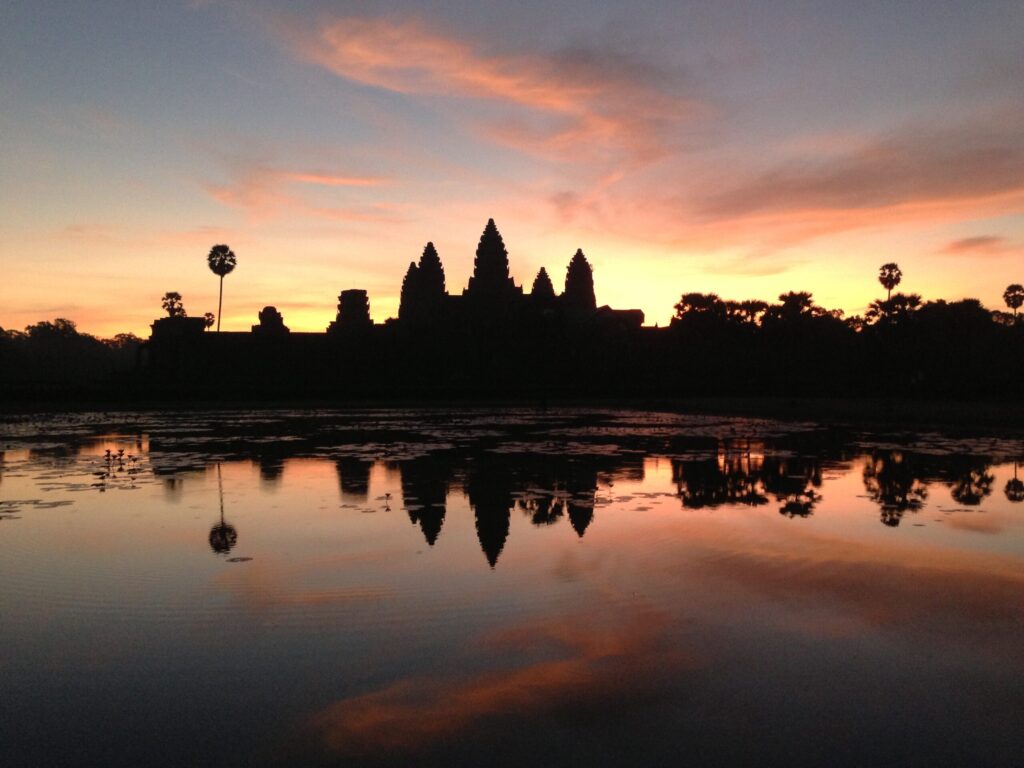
<point x="741" y="148"/>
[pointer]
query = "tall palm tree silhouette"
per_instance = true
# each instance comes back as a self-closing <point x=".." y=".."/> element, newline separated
<point x="1014" y="298"/>
<point x="223" y="536"/>
<point x="222" y="262"/>
<point x="890" y="275"/>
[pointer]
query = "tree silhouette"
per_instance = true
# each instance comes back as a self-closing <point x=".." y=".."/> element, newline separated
<point x="889" y="275"/>
<point x="223" y="536"/>
<point x="702" y="304"/>
<point x="171" y="302"/>
<point x="208" y="320"/>
<point x="542" y="287"/>
<point x="221" y="260"/>
<point x="894" y="309"/>
<point x="972" y="486"/>
<point x="1014" y="488"/>
<point x="892" y="482"/>
<point x="1014" y="298"/>
<point x="579" y="283"/>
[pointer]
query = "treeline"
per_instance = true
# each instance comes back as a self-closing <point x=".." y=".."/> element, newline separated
<point x="901" y="347"/>
<point x="55" y="357"/>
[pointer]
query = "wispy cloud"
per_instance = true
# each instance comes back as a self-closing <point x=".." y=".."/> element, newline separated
<point x="916" y="167"/>
<point x="982" y="245"/>
<point x="266" y="193"/>
<point x="573" y="105"/>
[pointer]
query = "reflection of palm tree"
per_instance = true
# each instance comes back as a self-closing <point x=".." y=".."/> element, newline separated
<point x="223" y="535"/>
<point x="1015" y="488"/>
<point x="972" y="486"/>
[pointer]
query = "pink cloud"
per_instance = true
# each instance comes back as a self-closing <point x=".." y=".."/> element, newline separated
<point x="574" y="105"/>
<point x="982" y="245"/>
<point x="265" y="193"/>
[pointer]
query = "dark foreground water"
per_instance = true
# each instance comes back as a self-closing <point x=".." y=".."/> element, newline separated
<point x="506" y="588"/>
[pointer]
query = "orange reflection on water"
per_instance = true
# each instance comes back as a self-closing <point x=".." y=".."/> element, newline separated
<point x="597" y="663"/>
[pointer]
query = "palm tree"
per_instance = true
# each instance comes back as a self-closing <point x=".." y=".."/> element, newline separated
<point x="1014" y="298"/>
<point x="889" y="275"/>
<point x="222" y="262"/>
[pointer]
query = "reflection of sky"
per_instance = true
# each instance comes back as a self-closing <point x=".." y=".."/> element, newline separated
<point x="346" y="634"/>
<point x="746" y="148"/>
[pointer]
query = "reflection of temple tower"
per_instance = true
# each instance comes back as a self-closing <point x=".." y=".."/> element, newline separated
<point x="582" y="487"/>
<point x="354" y="478"/>
<point x="490" y="496"/>
<point x="271" y="468"/>
<point x="425" y="492"/>
<point x="491" y="281"/>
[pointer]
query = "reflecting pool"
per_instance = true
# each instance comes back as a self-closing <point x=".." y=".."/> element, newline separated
<point x="498" y="587"/>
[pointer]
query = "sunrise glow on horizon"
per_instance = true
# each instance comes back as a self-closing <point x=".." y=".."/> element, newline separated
<point x="745" y="149"/>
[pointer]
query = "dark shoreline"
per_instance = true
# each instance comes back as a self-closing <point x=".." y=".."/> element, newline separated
<point x="983" y="416"/>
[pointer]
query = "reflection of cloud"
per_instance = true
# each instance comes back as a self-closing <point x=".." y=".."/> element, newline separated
<point x="578" y="104"/>
<point x="974" y="523"/>
<point x="594" y="667"/>
<point x="263" y="587"/>
<point x="955" y="597"/>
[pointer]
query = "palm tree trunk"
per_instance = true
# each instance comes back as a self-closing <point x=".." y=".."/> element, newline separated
<point x="220" y="302"/>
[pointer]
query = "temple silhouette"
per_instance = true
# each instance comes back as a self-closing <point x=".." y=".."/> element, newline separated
<point x="495" y="339"/>
<point x="492" y="338"/>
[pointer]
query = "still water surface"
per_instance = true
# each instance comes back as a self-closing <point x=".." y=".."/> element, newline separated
<point x="502" y="587"/>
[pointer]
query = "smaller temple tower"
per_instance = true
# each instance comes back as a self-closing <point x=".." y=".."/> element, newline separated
<point x="353" y="312"/>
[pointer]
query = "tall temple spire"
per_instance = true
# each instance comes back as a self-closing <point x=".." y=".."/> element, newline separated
<point x="542" y="287"/>
<point x="579" y="284"/>
<point x="490" y="268"/>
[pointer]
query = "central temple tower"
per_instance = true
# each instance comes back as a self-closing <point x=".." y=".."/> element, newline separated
<point x="491" y="280"/>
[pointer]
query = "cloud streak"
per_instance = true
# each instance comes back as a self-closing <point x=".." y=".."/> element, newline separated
<point x="576" y="104"/>
<point x="266" y="193"/>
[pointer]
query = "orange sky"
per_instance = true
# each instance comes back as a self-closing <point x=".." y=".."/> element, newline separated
<point x="703" y="147"/>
